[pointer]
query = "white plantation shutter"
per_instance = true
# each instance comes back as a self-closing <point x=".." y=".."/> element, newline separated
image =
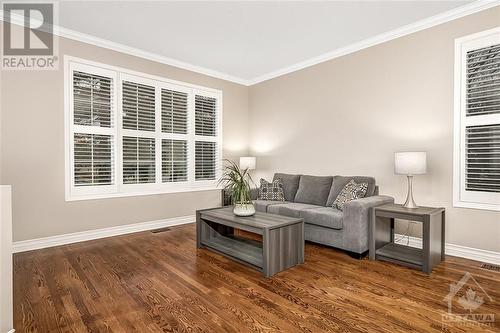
<point x="482" y="160"/>
<point x="206" y="131"/>
<point x="138" y="160"/>
<point x="93" y="159"/>
<point x="92" y="135"/>
<point x="479" y="147"/>
<point x="92" y="99"/>
<point x="483" y="81"/>
<point x="205" y="160"/>
<point x="174" y="143"/>
<point x="130" y="133"/>
<point x="138" y="103"/>
<point x="174" y="160"/>
<point x="174" y="111"/>
<point x="205" y="116"/>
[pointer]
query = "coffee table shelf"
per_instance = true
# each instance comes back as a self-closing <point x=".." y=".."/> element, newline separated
<point x="247" y="250"/>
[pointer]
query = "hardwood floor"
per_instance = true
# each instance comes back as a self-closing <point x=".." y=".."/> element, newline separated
<point x="149" y="282"/>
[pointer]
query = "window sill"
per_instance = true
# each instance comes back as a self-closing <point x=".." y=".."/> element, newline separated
<point x="99" y="196"/>
<point x="475" y="205"/>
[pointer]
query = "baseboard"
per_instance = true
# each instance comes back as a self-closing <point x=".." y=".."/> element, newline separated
<point x="454" y="250"/>
<point x="40" y="243"/>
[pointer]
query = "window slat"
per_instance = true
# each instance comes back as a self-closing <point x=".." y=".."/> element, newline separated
<point x="174" y="106"/>
<point x="92" y="102"/>
<point x="483" y="78"/>
<point x="174" y="161"/>
<point x="138" y="104"/>
<point x="205" y="116"/>
<point x="205" y="160"/>
<point x="138" y="160"/>
<point x="482" y="160"/>
<point x="93" y="160"/>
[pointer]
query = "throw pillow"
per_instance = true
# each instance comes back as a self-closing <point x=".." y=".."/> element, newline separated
<point x="271" y="191"/>
<point x="351" y="191"/>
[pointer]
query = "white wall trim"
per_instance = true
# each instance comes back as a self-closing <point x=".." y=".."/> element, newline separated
<point x="426" y="23"/>
<point x="107" y="44"/>
<point x="454" y="250"/>
<point x="40" y="243"/>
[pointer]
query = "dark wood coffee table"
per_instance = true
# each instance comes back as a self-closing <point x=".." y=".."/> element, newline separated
<point x="282" y="244"/>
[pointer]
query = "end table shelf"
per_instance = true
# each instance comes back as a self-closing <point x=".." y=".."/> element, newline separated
<point x="383" y="247"/>
<point x="402" y="254"/>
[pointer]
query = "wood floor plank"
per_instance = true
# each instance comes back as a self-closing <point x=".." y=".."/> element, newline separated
<point x="147" y="282"/>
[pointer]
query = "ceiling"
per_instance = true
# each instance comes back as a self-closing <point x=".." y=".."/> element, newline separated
<point x="244" y="40"/>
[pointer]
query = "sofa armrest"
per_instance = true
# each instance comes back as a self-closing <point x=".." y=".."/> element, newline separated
<point x="356" y="221"/>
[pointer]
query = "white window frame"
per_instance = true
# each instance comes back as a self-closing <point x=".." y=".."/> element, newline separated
<point x="461" y="197"/>
<point x="118" y="189"/>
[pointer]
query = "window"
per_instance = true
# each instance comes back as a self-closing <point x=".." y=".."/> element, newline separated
<point x="477" y="121"/>
<point x="129" y="133"/>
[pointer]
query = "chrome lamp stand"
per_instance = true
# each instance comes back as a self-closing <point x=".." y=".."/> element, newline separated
<point x="410" y="203"/>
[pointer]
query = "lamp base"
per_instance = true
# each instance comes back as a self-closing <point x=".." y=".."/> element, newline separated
<point x="410" y="203"/>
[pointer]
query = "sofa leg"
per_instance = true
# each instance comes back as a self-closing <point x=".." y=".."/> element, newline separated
<point x="356" y="255"/>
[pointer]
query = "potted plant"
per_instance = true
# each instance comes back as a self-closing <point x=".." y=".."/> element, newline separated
<point x="237" y="183"/>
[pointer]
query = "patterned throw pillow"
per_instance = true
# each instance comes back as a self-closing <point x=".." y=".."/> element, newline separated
<point x="271" y="191"/>
<point x="351" y="191"/>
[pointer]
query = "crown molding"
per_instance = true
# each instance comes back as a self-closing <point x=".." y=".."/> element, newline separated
<point x="107" y="44"/>
<point x="429" y="22"/>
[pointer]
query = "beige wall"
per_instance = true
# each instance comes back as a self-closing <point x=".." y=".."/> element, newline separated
<point x="349" y="115"/>
<point x="344" y="116"/>
<point x="32" y="142"/>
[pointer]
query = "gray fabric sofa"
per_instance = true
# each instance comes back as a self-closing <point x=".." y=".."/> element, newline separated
<point x="311" y="197"/>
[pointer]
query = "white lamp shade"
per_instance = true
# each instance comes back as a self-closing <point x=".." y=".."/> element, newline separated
<point x="410" y="163"/>
<point x="247" y="163"/>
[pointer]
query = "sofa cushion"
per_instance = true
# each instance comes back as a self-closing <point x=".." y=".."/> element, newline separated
<point x="261" y="205"/>
<point x="351" y="191"/>
<point x="325" y="216"/>
<point x="313" y="190"/>
<point x="271" y="191"/>
<point x="290" y="184"/>
<point x="340" y="181"/>
<point x="292" y="209"/>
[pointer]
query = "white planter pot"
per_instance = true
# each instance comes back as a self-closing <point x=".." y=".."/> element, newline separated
<point x="246" y="209"/>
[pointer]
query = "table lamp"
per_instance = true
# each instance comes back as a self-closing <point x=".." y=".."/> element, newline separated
<point x="410" y="164"/>
<point x="247" y="163"/>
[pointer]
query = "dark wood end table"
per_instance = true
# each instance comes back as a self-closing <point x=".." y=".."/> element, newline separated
<point x="383" y="247"/>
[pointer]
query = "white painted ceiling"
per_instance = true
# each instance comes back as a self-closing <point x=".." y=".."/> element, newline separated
<point x="246" y="40"/>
